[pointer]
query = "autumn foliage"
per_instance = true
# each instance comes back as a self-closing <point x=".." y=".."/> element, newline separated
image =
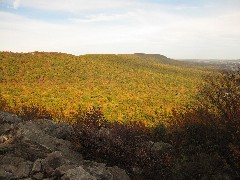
<point x="125" y="87"/>
<point x="118" y="103"/>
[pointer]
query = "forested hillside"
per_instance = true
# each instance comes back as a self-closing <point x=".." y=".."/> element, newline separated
<point x="151" y="116"/>
<point x="124" y="87"/>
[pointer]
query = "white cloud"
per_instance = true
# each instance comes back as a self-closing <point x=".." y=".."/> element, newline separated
<point x="103" y="17"/>
<point x="16" y="4"/>
<point x="140" y="29"/>
<point x="71" y="5"/>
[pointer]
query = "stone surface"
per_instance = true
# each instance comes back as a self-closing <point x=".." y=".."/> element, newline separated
<point x="100" y="171"/>
<point x="118" y="174"/>
<point x="95" y="169"/>
<point x="38" y="175"/>
<point x="77" y="174"/>
<point x="42" y="149"/>
<point x="60" y="171"/>
<point x="37" y="166"/>
<point x="6" y="148"/>
<point x="17" y="166"/>
<point x="59" y="130"/>
<point x="52" y="161"/>
<point x="6" y="175"/>
<point x="6" y="117"/>
<point x="5" y="128"/>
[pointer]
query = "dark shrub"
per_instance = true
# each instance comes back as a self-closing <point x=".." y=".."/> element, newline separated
<point x="212" y="126"/>
<point x="34" y="112"/>
<point x="120" y="144"/>
<point x="3" y="103"/>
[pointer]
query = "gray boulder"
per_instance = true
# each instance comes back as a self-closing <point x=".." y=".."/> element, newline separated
<point x="53" y="161"/>
<point x="78" y="174"/>
<point x="101" y="171"/>
<point x="37" y="166"/>
<point x="59" y="130"/>
<point x="118" y="174"/>
<point x="6" y="117"/>
<point x="40" y="141"/>
<point x="17" y="166"/>
<point x="42" y="149"/>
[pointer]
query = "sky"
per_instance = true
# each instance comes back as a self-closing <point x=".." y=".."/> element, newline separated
<point x="179" y="29"/>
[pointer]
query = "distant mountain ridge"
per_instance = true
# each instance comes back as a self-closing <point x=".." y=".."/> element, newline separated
<point x="219" y="64"/>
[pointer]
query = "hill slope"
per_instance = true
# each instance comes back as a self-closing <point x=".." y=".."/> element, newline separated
<point x="125" y="87"/>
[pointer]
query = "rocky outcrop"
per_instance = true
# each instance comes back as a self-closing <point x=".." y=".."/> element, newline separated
<point x="42" y="149"/>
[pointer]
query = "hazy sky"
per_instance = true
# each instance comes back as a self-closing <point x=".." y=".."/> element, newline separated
<point x="175" y="28"/>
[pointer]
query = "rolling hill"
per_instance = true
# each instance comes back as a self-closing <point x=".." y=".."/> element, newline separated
<point x="125" y="87"/>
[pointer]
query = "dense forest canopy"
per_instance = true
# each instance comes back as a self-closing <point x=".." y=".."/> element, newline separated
<point x="125" y="87"/>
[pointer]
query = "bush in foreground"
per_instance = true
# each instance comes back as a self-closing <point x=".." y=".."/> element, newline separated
<point x="125" y="145"/>
<point x="211" y="129"/>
